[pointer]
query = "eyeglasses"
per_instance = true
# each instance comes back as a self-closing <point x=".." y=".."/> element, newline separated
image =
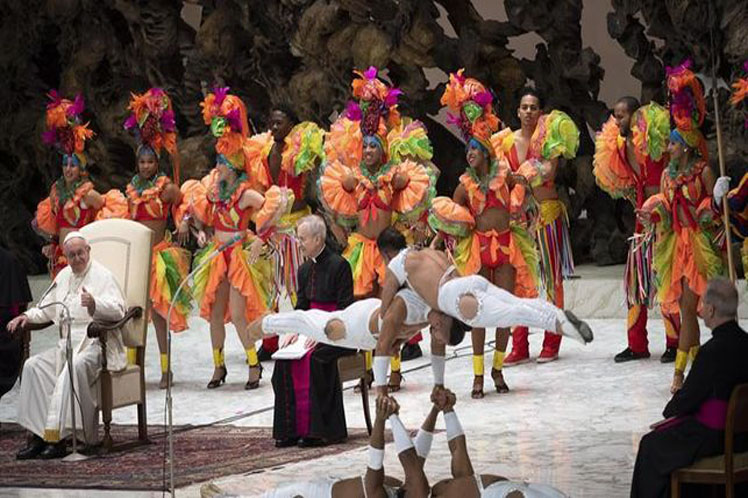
<point x="75" y="254"/>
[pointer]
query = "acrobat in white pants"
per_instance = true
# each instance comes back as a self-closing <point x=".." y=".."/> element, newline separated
<point x="499" y="308"/>
<point x="355" y="317"/>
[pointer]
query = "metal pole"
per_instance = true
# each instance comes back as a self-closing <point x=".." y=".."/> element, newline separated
<point x="65" y="325"/>
<point x="722" y="172"/>
<point x="74" y="456"/>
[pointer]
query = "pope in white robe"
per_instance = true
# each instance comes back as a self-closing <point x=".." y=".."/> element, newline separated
<point x="89" y="291"/>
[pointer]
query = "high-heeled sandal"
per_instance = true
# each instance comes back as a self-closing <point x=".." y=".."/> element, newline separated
<point x="254" y="384"/>
<point x="477" y="392"/>
<point x="165" y="378"/>
<point x="498" y="381"/>
<point x="220" y="380"/>
<point x="677" y="383"/>
<point x="392" y="386"/>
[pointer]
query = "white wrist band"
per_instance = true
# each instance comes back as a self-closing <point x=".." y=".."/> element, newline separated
<point x="376" y="458"/>
<point x="399" y="434"/>
<point x="454" y="429"/>
<point x="422" y="442"/>
<point x="380" y="367"/>
<point x="437" y="369"/>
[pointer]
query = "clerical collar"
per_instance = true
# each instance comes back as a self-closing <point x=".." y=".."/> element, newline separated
<point x="724" y="327"/>
<point x="320" y="254"/>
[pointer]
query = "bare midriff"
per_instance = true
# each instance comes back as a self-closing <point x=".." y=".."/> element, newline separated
<point x="159" y="228"/>
<point x="223" y="235"/>
<point x="377" y="223"/>
<point x="493" y="218"/>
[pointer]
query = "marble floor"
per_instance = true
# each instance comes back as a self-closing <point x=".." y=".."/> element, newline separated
<point x="574" y="423"/>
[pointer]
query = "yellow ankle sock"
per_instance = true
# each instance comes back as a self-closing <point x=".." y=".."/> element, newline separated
<point x="478" y="366"/>
<point x="693" y="352"/>
<point x="498" y="359"/>
<point x="367" y="358"/>
<point x="252" y="357"/>
<point x="164" y="363"/>
<point x="218" y="359"/>
<point x="395" y="363"/>
<point x="681" y="361"/>
<point x="132" y="356"/>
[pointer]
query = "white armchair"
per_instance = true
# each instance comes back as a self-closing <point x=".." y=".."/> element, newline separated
<point x="124" y="247"/>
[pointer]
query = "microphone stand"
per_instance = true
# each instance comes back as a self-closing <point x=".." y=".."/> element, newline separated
<point x="65" y="321"/>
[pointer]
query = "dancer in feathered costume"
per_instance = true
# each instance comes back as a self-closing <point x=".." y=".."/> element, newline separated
<point x="477" y="222"/>
<point x="286" y="156"/>
<point x="534" y="151"/>
<point x="237" y="284"/>
<point x="686" y="253"/>
<point x="73" y="202"/>
<point x="737" y="198"/>
<point x="150" y="196"/>
<point x="630" y="155"/>
<point x="361" y="188"/>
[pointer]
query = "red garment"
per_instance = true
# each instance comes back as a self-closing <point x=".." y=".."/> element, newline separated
<point x="494" y="248"/>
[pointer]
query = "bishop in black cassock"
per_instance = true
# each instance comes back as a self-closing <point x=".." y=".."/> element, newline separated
<point x="308" y="397"/>
<point x="697" y="413"/>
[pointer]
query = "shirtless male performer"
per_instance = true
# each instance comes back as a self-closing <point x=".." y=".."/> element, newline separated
<point x="472" y="301"/>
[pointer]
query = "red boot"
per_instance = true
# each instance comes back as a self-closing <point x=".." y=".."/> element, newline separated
<point x="551" y="345"/>
<point x="520" y="348"/>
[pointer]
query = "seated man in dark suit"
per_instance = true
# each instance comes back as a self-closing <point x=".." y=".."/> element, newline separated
<point x="308" y="397"/>
<point x="695" y="416"/>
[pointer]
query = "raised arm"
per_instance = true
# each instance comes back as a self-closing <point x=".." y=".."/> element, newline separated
<point x="425" y="435"/>
<point x="374" y="478"/>
<point x="461" y="465"/>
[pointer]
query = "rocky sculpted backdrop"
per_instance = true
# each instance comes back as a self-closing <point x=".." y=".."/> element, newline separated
<point x="301" y="52"/>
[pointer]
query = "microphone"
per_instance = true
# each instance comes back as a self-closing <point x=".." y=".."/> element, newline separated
<point x="49" y="289"/>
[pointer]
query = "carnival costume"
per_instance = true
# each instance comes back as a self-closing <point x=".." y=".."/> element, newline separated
<point x="374" y="194"/>
<point x="409" y="141"/>
<point x="303" y="151"/>
<point x="354" y="197"/>
<point x="215" y="204"/>
<point x="66" y="207"/>
<point x="470" y="106"/>
<point x="686" y="225"/>
<point x="555" y="136"/>
<point x="737" y="198"/>
<point x="152" y="122"/>
<point x="650" y="128"/>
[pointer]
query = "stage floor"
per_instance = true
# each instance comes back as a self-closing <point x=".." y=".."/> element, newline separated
<point x="574" y="423"/>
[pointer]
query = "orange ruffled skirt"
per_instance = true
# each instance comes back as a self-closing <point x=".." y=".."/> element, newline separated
<point x="170" y="264"/>
<point x="254" y="281"/>
<point x="366" y="263"/>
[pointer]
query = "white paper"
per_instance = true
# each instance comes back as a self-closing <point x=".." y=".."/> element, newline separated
<point x="293" y="351"/>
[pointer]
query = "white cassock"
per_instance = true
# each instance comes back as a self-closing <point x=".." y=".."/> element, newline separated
<point x="44" y="402"/>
